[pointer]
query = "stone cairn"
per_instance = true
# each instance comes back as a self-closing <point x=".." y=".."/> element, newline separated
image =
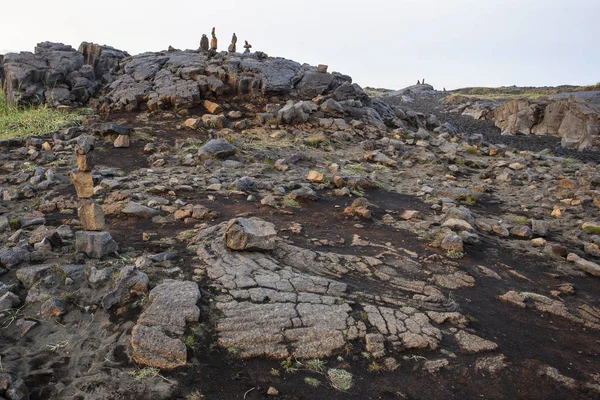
<point x="94" y="241"/>
<point x="204" y="43"/>
<point x="232" y="46"/>
<point x="247" y="47"/>
<point x="213" y="40"/>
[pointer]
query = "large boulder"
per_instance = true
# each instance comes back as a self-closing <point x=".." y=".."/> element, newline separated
<point x="95" y="244"/>
<point x="313" y="84"/>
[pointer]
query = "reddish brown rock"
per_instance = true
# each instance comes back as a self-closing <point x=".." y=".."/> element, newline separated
<point x="91" y="216"/>
<point x="84" y="185"/>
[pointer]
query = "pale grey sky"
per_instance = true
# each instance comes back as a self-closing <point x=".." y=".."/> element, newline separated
<point x="381" y="43"/>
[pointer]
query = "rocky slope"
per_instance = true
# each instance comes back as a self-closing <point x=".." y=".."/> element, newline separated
<point x="280" y="239"/>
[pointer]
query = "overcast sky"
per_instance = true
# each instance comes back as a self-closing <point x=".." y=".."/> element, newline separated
<point x="380" y="43"/>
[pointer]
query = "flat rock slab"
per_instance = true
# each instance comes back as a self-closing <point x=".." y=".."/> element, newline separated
<point x="469" y="343"/>
<point x="153" y="348"/>
<point x="173" y="303"/>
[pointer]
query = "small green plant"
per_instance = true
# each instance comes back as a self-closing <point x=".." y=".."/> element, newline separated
<point x="141" y="301"/>
<point x="340" y="379"/>
<point x="472" y="150"/>
<point x="274" y="372"/>
<point x="11" y="316"/>
<point x="316" y="365"/>
<point x="14" y="224"/>
<point x="375" y="367"/>
<point x="455" y="254"/>
<point x="318" y="141"/>
<point x="148" y="372"/>
<point x="470" y="200"/>
<point x="366" y="355"/>
<point x="312" y="381"/>
<point x="459" y="161"/>
<point x="195" y="395"/>
<point x="272" y="121"/>
<point x="233" y="350"/>
<point x="190" y="342"/>
<point x="290" y="203"/>
<point x="568" y="161"/>
<point x="521" y="220"/>
<point x="289" y="366"/>
<point x="593" y="229"/>
<point x="58" y="346"/>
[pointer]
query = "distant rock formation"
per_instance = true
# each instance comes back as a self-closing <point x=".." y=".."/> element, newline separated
<point x="57" y="74"/>
<point x="575" y="119"/>
<point x="232" y="46"/>
<point x="204" y="43"/>
<point x="213" y="40"/>
<point x="111" y="80"/>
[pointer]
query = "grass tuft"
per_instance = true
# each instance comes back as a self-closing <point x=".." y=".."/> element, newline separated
<point x="32" y="121"/>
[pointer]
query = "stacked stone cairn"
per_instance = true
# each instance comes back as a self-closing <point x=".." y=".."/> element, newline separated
<point x="94" y="241"/>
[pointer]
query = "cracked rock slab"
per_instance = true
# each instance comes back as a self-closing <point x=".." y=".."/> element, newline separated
<point x="173" y="304"/>
<point x="470" y="344"/>
<point x="154" y="348"/>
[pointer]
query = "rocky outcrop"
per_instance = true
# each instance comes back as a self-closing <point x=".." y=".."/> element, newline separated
<point x="57" y="74"/>
<point x="576" y="120"/>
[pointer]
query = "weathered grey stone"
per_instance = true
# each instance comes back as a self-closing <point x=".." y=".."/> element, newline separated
<point x="17" y="391"/>
<point x="469" y="343"/>
<point x="216" y="148"/>
<point x="173" y="303"/>
<point x="110" y="128"/>
<point x="52" y="307"/>
<point x="522" y="231"/>
<point x="95" y="244"/>
<point x="12" y="256"/>
<point x="130" y="282"/>
<point x="540" y="227"/>
<point x="139" y="210"/>
<point x="375" y="344"/>
<point x="303" y="193"/>
<point x="452" y="242"/>
<point x="250" y="234"/>
<point x="153" y="348"/>
<point x="84" y="144"/>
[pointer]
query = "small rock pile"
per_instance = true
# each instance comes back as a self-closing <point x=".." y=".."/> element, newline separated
<point x="94" y="241"/>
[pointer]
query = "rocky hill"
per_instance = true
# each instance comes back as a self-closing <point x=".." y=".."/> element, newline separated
<point x="238" y="226"/>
